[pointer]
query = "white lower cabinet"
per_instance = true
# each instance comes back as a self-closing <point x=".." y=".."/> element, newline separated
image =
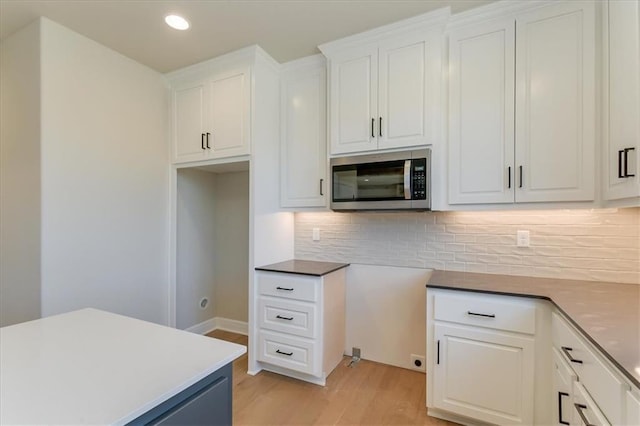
<point x="481" y="357"/>
<point x="301" y="323"/>
<point x="563" y="380"/>
<point x="599" y="391"/>
<point x="484" y="374"/>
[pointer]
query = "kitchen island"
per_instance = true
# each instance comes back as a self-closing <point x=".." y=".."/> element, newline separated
<point x="95" y="367"/>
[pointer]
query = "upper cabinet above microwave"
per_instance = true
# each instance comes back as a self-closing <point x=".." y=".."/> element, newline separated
<point x="384" y="86"/>
<point x="522" y="116"/>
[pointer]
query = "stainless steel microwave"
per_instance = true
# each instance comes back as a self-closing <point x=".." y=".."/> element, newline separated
<point x="391" y="181"/>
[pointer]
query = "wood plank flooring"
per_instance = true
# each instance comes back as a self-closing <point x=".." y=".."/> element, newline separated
<point x="367" y="394"/>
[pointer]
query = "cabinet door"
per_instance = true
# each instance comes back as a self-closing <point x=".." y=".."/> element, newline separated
<point x="354" y="97"/>
<point x="624" y="101"/>
<point x="481" y="102"/>
<point x="563" y="378"/>
<point x="189" y="112"/>
<point x="303" y="137"/>
<point x="406" y="91"/>
<point x="483" y="374"/>
<point x="230" y="103"/>
<point x="555" y="103"/>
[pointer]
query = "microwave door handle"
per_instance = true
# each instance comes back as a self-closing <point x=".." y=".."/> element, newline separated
<point x="407" y="179"/>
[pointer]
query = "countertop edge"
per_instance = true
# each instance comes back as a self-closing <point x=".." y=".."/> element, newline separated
<point x="311" y="274"/>
<point x="623" y="370"/>
<point x="183" y="386"/>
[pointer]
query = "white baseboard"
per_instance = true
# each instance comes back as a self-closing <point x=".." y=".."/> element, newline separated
<point x="234" y="326"/>
<point x="218" y="323"/>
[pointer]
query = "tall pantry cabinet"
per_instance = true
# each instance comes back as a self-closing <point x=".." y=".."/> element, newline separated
<point x="522" y="105"/>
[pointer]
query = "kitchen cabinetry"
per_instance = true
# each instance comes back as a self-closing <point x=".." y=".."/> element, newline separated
<point x="211" y="116"/>
<point x="481" y="356"/>
<point x="303" y="141"/>
<point x="598" y="392"/>
<point x="301" y="321"/>
<point x="522" y="107"/>
<point x="384" y="87"/>
<point x="622" y="155"/>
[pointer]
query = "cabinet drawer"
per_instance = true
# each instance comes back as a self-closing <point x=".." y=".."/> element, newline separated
<point x="606" y="389"/>
<point x="288" y="352"/>
<point x="585" y="408"/>
<point x="288" y="286"/>
<point x="287" y="316"/>
<point x="503" y="314"/>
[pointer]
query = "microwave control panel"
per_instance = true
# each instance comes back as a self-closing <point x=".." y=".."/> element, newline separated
<point x="419" y="179"/>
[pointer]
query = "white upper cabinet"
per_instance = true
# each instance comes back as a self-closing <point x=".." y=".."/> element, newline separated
<point x="211" y="116"/>
<point x="481" y="108"/>
<point x="384" y="86"/>
<point x="303" y="141"/>
<point x="354" y="109"/>
<point x="522" y="107"/>
<point x="555" y="103"/>
<point x="622" y="155"/>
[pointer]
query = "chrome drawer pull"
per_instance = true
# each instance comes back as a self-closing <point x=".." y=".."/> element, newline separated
<point x="481" y="315"/>
<point x="579" y="408"/>
<point x="284" y="353"/>
<point x="284" y="318"/>
<point x="566" y="351"/>
<point x="284" y="288"/>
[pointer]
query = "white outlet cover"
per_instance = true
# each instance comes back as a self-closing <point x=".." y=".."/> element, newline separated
<point x="316" y="234"/>
<point x="522" y="238"/>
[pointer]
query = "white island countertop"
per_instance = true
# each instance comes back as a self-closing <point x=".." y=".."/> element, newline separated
<point x="94" y="367"/>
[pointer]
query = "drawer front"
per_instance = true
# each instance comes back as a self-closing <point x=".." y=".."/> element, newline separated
<point x="604" y="386"/>
<point x="289" y="286"/>
<point x="503" y="314"/>
<point x="288" y="352"/>
<point x="586" y="411"/>
<point x="633" y="409"/>
<point x="287" y="316"/>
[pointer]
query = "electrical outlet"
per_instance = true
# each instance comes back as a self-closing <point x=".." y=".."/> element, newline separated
<point x="522" y="238"/>
<point x="417" y="362"/>
<point x="316" y="234"/>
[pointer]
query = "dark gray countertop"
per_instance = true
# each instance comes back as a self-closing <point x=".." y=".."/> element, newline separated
<point x="303" y="267"/>
<point x="608" y="314"/>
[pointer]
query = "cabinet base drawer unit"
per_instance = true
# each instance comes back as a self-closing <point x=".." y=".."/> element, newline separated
<point x="599" y="381"/>
<point x="480" y="311"/>
<point x="287" y="317"/>
<point x="288" y="286"/>
<point x="295" y="354"/>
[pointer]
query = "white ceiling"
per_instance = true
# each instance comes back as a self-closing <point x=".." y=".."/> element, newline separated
<point x="286" y="29"/>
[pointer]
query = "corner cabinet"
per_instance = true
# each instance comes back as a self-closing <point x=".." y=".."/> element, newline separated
<point x="481" y="357"/>
<point x="522" y="106"/>
<point x="303" y="133"/>
<point x="622" y="153"/>
<point x="211" y="116"/>
<point x="384" y="87"/>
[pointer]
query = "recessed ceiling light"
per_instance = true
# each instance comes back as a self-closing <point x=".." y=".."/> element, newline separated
<point x="177" y="22"/>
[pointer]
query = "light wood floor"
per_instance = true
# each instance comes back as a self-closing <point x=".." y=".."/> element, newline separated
<point x="367" y="394"/>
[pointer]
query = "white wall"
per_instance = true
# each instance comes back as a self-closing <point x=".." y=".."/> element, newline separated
<point x="386" y="313"/>
<point x="232" y="246"/>
<point x="196" y="249"/>
<point x="105" y="169"/>
<point x="20" y="176"/>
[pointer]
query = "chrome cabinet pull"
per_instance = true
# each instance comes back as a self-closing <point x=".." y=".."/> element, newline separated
<point x="567" y="351"/>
